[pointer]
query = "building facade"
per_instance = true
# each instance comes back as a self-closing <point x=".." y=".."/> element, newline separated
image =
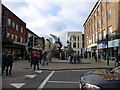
<point x="34" y="42"/>
<point x="13" y="33"/>
<point x="102" y="30"/>
<point x="75" y="39"/>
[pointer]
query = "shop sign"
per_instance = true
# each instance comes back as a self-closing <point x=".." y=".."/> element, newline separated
<point x="114" y="43"/>
<point x="101" y="46"/>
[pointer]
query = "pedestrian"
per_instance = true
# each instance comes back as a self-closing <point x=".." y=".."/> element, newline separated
<point x="35" y="60"/>
<point x="44" y="57"/>
<point x="71" y="59"/>
<point x="75" y="58"/>
<point x="95" y="57"/>
<point x="118" y="60"/>
<point x="78" y="59"/>
<point x="9" y="64"/>
<point x="4" y="61"/>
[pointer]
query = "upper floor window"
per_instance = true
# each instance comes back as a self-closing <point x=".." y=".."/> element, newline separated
<point x="103" y="6"/>
<point x="21" y="29"/>
<point x="99" y="24"/>
<point x="8" y="35"/>
<point x="98" y="11"/>
<point x="78" y="38"/>
<point x="16" y="38"/>
<point x="78" y="45"/>
<point x="13" y="25"/>
<point x="104" y="34"/>
<point x="16" y="27"/>
<point x="12" y="37"/>
<point x="74" y="38"/>
<point x="109" y="14"/>
<point x="110" y="30"/>
<point x="74" y="45"/>
<point x="108" y="0"/>
<point x="21" y="39"/>
<point x="103" y="20"/>
<point x="9" y="22"/>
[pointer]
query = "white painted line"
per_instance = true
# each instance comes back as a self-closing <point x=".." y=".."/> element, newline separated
<point x="62" y="82"/>
<point x="38" y="71"/>
<point x="45" y="81"/>
<point x="31" y="76"/>
<point x="17" y="85"/>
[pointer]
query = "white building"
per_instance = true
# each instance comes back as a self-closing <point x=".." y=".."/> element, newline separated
<point x="75" y="38"/>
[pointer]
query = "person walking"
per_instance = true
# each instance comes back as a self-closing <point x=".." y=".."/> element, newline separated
<point x="95" y="57"/>
<point x="44" y="57"/>
<point x="35" y="60"/>
<point x="78" y="59"/>
<point x="118" y="60"/>
<point x="4" y="60"/>
<point x="71" y="59"/>
<point x="9" y="64"/>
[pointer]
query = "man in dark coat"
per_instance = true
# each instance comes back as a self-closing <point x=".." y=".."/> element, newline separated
<point x="9" y="63"/>
<point x="118" y="60"/>
<point x="4" y="60"/>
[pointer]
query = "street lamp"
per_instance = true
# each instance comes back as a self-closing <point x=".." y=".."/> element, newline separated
<point x="107" y="50"/>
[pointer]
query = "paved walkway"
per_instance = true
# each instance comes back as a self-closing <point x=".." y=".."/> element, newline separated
<point x="64" y="65"/>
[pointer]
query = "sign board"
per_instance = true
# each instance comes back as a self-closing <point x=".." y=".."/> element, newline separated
<point x="101" y="46"/>
<point x="114" y="43"/>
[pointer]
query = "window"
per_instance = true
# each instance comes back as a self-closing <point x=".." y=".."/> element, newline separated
<point x="78" y="45"/>
<point x="8" y="35"/>
<point x="98" y="11"/>
<point x="110" y="30"/>
<point x="99" y="35"/>
<point x="9" y="22"/>
<point x="104" y="34"/>
<point x="21" y="29"/>
<point x="21" y="39"/>
<point x="78" y="38"/>
<point x="103" y="6"/>
<point x="109" y="14"/>
<point x="108" y="0"/>
<point x="13" y="25"/>
<point x="74" y="45"/>
<point x="99" y="24"/>
<point x="16" y="27"/>
<point x="12" y="37"/>
<point x="103" y="20"/>
<point x="74" y="38"/>
<point x="16" y="38"/>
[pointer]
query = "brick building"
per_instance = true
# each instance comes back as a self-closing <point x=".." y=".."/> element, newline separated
<point x="102" y="30"/>
<point x="36" y="43"/>
<point x="13" y="33"/>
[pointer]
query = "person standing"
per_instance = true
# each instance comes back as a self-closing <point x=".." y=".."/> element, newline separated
<point x="78" y="59"/>
<point x="35" y="60"/>
<point x="4" y="60"/>
<point x="9" y="64"/>
<point x="95" y="57"/>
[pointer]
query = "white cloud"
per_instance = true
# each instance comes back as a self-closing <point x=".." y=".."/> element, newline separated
<point x="39" y="19"/>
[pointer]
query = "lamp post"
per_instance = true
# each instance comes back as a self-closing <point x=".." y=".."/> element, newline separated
<point x="107" y="50"/>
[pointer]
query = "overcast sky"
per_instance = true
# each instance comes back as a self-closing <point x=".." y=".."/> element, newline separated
<point x="57" y="17"/>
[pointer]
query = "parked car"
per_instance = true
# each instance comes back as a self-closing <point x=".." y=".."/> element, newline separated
<point x="101" y="79"/>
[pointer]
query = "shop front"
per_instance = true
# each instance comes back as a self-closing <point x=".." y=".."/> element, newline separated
<point x="114" y="48"/>
<point x="102" y="51"/>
